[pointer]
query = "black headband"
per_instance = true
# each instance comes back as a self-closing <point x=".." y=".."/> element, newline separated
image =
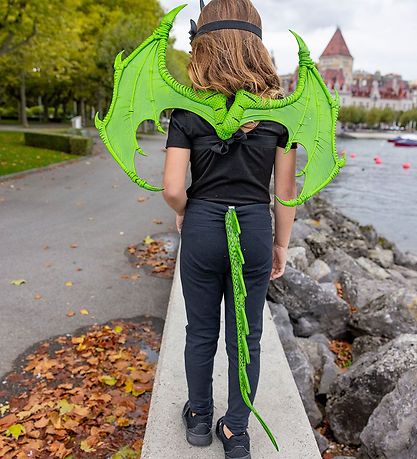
<point x="228" y="24"/>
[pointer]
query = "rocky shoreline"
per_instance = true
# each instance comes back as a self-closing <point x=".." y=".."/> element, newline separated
<point x="346" y="313"/>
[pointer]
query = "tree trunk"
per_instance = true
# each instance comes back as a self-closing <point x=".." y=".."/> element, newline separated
<point x="82" y="112"/>
<point x="45" y="113"/>
<point x="23" y="115"/>
<point x="19" y="112"/>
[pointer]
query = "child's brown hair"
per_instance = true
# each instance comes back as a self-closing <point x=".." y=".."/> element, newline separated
<point x="228" y="60"/>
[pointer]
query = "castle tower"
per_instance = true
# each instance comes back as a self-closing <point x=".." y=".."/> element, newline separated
<point x="337" y="58"/>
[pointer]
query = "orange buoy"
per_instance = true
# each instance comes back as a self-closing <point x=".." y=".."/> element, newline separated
<point x="406" y="166"/>
<point x="378" y="160"/>
<point x="353" y="155"/>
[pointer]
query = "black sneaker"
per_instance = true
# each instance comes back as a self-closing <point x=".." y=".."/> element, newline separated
<point x="235" y="447"/>
<point x="198" y="427"/>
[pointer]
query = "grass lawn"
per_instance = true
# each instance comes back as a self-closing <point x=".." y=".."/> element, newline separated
<point x="15" y="156"/>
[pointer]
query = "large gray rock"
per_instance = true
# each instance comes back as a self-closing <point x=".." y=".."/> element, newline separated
<point x="311" y="308"/>
<point x="303" y="373"/>
<point x="391" y="431"/>
<point x="301" y="229"/>
<point x="297" y="258"/>
<point x="372" y="268"/>
<point x="370" y="235"/>
<point x="366" y="343"/>
<point x="323" y="360"/>
<point x="282" y="322"/>
<point x="301" y="368"/>
<point x="362" y="287"/>
<point x="339" y="261"/>
<point x="322" y="441"/>
<point x="319" y="270"/>
<point x="349" y="287"/>
<point x="383" y="257"/>
<point x="407" y="259"/>
<point x="355" y="394"/>
<point x="389" y="315"/>
<point x="319" y="243"/>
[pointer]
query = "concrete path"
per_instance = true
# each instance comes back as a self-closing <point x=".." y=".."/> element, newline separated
<point x="91" y="203"/>
<point x="277" y="399"/>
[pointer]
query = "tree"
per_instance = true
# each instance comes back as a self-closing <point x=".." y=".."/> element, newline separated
<point x="71" y="55"/>
<point x="373" y="117"/>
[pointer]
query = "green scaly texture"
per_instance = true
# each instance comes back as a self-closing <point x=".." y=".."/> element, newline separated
<point x="143" y="88"/>
<point x="242" y="327"/>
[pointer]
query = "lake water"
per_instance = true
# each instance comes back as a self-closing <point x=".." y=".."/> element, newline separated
<point x="384" y="195"/>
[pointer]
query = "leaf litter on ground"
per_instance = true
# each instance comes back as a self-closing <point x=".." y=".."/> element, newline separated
<point x="81" y="396"/>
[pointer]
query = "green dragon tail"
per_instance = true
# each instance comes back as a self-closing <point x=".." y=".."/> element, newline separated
<point x="242" y="326"/>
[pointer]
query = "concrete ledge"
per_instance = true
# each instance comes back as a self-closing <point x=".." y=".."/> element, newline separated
<point x="277" y="398"/>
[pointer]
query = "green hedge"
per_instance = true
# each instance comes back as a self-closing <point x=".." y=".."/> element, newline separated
<point x="73" y="144"/>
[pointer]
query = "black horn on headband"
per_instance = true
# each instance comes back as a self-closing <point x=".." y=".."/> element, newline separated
<point x="202" y="5"/>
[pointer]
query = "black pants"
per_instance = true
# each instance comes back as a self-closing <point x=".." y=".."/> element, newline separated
<point x="205" y="277"/>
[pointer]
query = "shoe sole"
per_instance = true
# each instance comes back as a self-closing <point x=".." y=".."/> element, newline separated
<point x="195" y="439"/>
<point x="226" y="456"/>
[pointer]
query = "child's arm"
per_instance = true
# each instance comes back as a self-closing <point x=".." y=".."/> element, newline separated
<point x="175" y="172"/>
<point x="285" y="188"/>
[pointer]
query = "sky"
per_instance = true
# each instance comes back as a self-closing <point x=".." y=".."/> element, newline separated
<point x="380" y="34"/>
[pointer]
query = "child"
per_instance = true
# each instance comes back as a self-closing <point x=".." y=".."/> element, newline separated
<point x="235" y="172"/>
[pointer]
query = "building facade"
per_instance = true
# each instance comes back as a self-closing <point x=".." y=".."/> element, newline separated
<point x="359" y="88"/>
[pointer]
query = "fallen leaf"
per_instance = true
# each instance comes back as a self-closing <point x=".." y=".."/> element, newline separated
<point x="157" y="222"/>
<point x="41" y="423"/>
<point x="84" y="446"/>
<point x="18" y="282"/>
<point x="118" y="329"/>
<point x="68" y="284"/>
<point x="70" y="313"/>
<point x="123" y="422"/>
<point x="15" y="431"/>
<point x="38" y="296"/>
<point x="77" y="339"/>
<point x="64" y="406"/>
<point x="109" y="380"/>
<point x="84" y="312"/>
<point x="148" y="240"/>
<point x="4" y="408"/>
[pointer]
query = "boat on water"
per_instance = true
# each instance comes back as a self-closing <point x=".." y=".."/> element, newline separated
<point x="408" y="140"/>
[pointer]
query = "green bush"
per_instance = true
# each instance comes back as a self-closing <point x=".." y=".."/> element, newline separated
<point x="76" y="145"/>
<point x="8" y="112"/>
<point x="81" y="145"/>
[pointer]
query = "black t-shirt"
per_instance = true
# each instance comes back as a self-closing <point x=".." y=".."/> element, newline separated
<point x="234" y="172"/>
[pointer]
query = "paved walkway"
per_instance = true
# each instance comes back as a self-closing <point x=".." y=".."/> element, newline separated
<point x="277" y="398"/>
<point x="91" y="203"/>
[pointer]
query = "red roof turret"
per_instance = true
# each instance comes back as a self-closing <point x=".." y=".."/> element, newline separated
<point x="337" y="46"/>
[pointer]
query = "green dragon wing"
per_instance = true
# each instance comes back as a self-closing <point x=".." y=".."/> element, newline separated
<point x="143" y="88"/>
<point x="310" y="115"/>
